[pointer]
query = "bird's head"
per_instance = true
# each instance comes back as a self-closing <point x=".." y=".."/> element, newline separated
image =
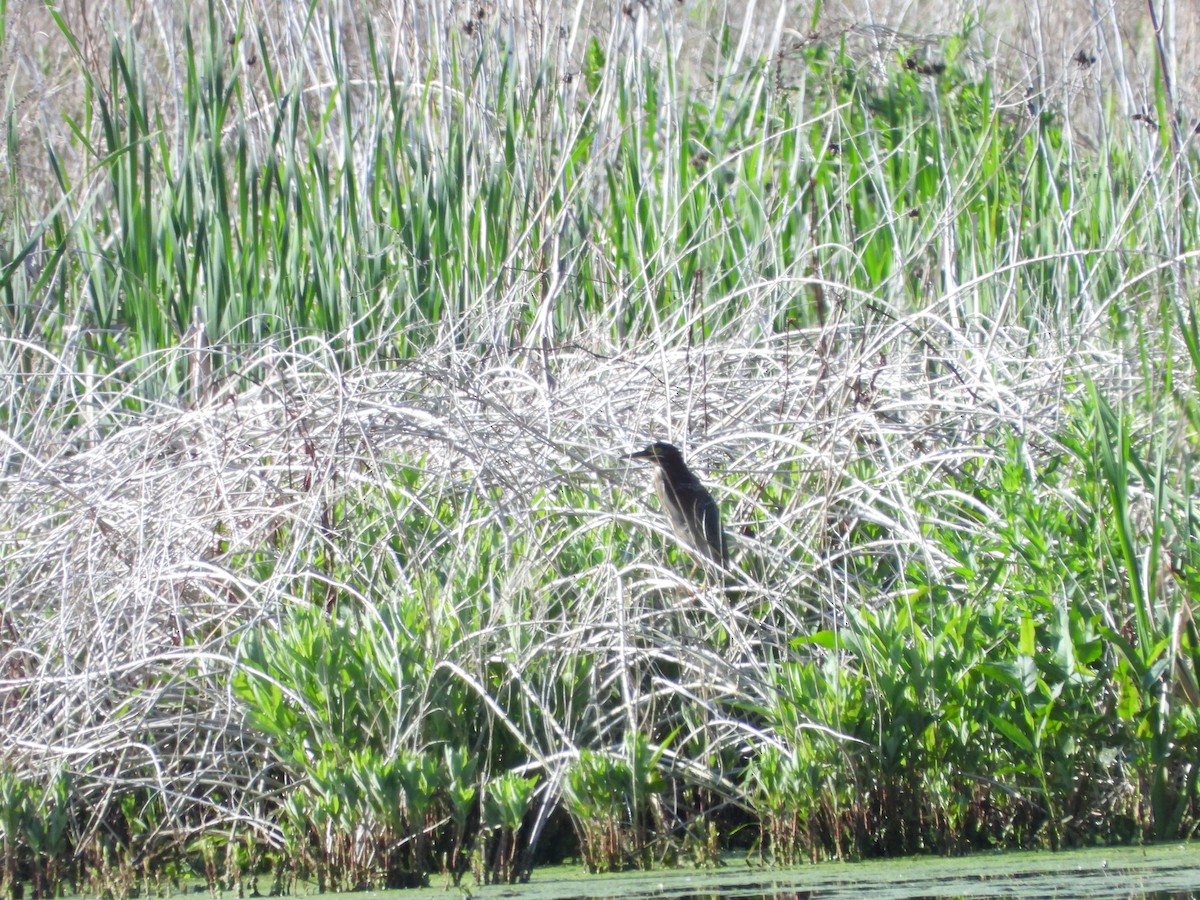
<point x="661" y="453"/>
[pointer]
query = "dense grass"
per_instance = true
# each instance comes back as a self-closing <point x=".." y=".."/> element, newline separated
<point x="319" y="559"/>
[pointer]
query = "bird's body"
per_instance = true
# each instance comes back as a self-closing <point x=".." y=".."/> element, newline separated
<point x="694" y="515"/>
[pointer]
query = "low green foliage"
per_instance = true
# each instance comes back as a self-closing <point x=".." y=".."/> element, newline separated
<point x="1003" y="703"/>
<point x="608" y="796"/>
<point x="506" y="800"/>
<point x="343" y="701"/>
<point x="36" y="821"/>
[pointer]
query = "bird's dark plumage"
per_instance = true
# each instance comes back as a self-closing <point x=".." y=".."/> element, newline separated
<point x="693" y="512"/>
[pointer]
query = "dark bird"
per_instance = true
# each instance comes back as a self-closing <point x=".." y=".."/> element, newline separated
<point x="692" y="510"/>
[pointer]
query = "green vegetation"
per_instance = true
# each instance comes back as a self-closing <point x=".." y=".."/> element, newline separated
<point x="322" y="336"/>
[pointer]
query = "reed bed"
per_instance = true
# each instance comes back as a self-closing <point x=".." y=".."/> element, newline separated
<point x="326" y="336"/>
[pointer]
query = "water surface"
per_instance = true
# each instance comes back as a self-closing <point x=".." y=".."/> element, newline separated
<point x="1159" y="871"/>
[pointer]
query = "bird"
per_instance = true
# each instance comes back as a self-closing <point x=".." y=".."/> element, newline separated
<point x="695" y="517"/>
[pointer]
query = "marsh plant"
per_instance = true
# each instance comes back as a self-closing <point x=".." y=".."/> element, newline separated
<point x="507" y="800"/>
<point x="324" y="335"/>
<point x="609" y="796"/>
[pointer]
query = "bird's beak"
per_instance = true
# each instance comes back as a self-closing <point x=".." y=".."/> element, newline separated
<point x="639" y="454"/>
